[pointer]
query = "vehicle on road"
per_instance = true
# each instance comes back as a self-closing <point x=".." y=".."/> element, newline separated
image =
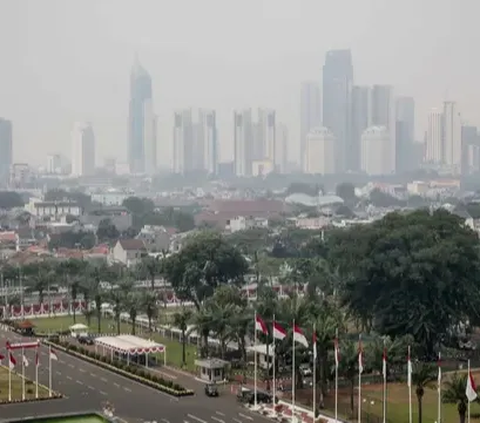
<point x="85" y="340"/>
<point x="211" y="390"/>
<point x="247" y="396"/>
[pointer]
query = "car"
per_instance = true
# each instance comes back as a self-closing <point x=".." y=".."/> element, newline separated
<point x="86" y="340"/>
<point x="211" y="390"/>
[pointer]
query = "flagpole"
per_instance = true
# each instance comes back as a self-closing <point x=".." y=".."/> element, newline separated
<point x="9" y="376"/>
<point x="23" y="374"/>
<point x="314" y="372"/>
<point x="274" y="391"/>
<point x="468" y="399"/>
<point x="336" y="375"/>
<point x="359" y="378"/>
<point x="50" y="371"/>
<point x="385" y="383"/>
<point x="256" y="364"/>
<point x="36" y="373"/>
<point x="293" y="373"/>
<point x="439" y="400"/>
<point x="409" y="364"/>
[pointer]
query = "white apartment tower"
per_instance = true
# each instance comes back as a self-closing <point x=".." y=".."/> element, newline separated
<point x="434" y="138"/>
<point x="83" y="149"/>
<point x="376" y="157"/>
<point x="281" y="148"/>
<point x="310" y="113"/>
<point x="452" y="140"/>
<point x="320" y="152"/>
<point x="149" y="137"/>
<point x="243" y="140"/>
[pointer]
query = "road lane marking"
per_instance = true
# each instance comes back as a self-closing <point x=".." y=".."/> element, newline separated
<point x="58" y="373"/>
<point x="71" y="366"/>
<point x="165" y="420"/>
<point x="127" y="389"/>
<point x="91" y="387"/>
<point x="61" y="361"/>
<point x="237" y="420"/>
<point x="82" y="370"/>
<point x="218" y="420"/>
<point x="93" y="375"/>
<point x="220" y="414"/>
<point x="69" y="378"/>
<point x="103" y="379"/>
<point x="103" y="393"/>
<point x="116" y="384"/>
<point x="245" y="416"/>
<point x="79" y="382"/>
<point x="198" y="419"/>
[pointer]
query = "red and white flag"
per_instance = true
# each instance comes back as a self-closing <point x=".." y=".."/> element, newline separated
<point x="384" y="363"/>
<point x="471" y="389"/>
<point x="336" y="350"/>
<point x="299" y="336"/>
<point x="53" y="355"/>
<point x="37" y="361"/>
<point x="260" y="325"/>
<point x="409" y="369"/>
<point x="2" y="357"/>
<point x="314" y="340"/>
<point x="11" y="361"/>
<point x="278" y="331"/>
<point x="439" y="378"/>
<point x="360" y="356"/>
<point x="24" y="360"/>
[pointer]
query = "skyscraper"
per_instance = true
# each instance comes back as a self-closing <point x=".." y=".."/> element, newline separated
<point x="434" y="138"/>
<point x="243" y="139"/>
<point x="142" y="128"/>
<point x="337" y="101"/>
<point x="6" y="149"/>
<point x="452" y="137"/>
<point x="83" y="149"/>
<point x="320" y="152"/>
<point x="376" y="151"/>
<point x="281" y="148"/>
<point x="310" y="113"/>
<point x="361" y="97"/>
<point x="404" y="133"/>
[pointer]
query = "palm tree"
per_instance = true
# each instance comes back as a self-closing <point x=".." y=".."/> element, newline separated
<point x="202" y="324"/>
<point x="348" y="367"/>
<point x="118" y="297"/>
<point x="133" y="305"/>
<point x="423" y="375"/>
<point x="149" y="267"/>
<point x="181" y="320"/>
<point x="149" y="305"/>
<point x="454" y="393"/>
<point x="39" y="278"/>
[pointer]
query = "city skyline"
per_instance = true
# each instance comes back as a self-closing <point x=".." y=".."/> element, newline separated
<point x="89" y="87"/>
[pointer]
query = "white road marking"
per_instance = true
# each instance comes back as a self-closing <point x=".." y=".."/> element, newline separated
<point x="82" y="370"/>
<point x="71" y="366"/>
<point x="237" y="420"/>
<point x="58" y="373"/>
<point x="103" y="379"/>
<point x="116" y="384"/>
<point x="127" y="389"/>
<point x="61" y="361"/>
<point x="92" y="388"/>
<point x="244" y="416"/>
<point x="218" y="420"/>
<point x="165" y="420"/>
<point x="103" y="393"/>
<point x="93" y="375"/>
<point x="198" y="419"/>
<point x="79" y="382"/>
<point x="69" y="378"/>
<point x="219" y="413"/>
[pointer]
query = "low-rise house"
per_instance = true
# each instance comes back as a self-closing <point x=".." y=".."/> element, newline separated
<point x="241" y="223"/>
<point x="156" y="238"/>
<point x="128" y="251"/>
<point x="119" y="216"/>
<point x="55" y="209"/>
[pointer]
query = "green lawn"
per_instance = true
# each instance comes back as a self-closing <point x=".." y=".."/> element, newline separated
<point x="174" y="348"/>
<point x="17" y="387"/>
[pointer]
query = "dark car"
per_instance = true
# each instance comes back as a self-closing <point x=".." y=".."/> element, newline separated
<point x="211" y="390"/>
<point x="247" y="396"/>
<point x="86" y="340"/>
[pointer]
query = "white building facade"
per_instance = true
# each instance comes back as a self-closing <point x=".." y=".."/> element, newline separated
<point x="434" y="138"/>
<point x="376" y="157"/>
<point x="320" y="152"/>
<point x="83" y="149"/>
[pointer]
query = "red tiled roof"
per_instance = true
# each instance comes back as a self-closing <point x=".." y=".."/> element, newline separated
<point x="132" y="244"/>
<point x="9" y="236"/>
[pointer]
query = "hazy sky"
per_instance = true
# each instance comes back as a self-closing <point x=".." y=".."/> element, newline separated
<point x="68" y="60"/>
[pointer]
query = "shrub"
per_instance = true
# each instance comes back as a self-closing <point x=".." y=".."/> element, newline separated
<point x="29" y="391"/>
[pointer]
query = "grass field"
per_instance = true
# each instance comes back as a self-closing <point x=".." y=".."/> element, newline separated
<point x="174" y="348"/>
<point x="17" y="387"/>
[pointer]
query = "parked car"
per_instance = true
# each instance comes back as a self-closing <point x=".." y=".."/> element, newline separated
<point x="85" y="340"/>
<point x="211" y="390"/>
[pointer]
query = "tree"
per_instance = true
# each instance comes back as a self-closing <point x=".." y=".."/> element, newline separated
<point x="40" y="278"/>
<point x="107" y="231"/>
<point x="149" y="306"/>
<point x="133" y="304"/>
<point x="423" y="375"/>
<point x="138" y="206"/>
<point x="181" y="319"/>
<point x="348" y="367"/>
<point x="346" y="191"/>
<point x="206" y="262"/>
<point x="149" y="267"/>
<point x="415" y="273"/>
<point x="10" y="200"/>
<point x="454" y="393"/>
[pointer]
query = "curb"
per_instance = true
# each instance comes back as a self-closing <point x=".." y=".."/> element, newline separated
<point x="113" y="369"/>
<point x="54" y="396"/>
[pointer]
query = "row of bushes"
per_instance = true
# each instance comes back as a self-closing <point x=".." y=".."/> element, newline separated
<point x="130" y="371"/>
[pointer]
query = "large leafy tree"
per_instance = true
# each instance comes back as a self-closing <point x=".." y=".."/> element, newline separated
<point x="415" y="273"/>
<point x="205" y="263"/>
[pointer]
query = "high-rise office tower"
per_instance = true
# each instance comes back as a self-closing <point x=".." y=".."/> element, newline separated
<point x="434" y="138"/>
<point x="243" y="139"/>
<point x="376" y="151"/>
<point x="404" y="133"/>
<point x="281" y="148"/>
<point x="6" y="149"/>
<point x="337" y="101"/>
<point x="195" y="141"/>
<point x="361" y="97"/>
<point x="310" y="113"/>
<point x="83" y="149"/>
<point x="142" y="127"/>
<point x="383" y="115"/>
<point x="470" y="149"/>
<point x="452" y="140"/>
<point x="320" y="152"/>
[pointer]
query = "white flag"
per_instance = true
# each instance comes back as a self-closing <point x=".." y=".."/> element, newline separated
<point x="24" y="360"/>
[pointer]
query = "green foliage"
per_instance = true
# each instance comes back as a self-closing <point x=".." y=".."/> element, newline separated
<point x="10" y="200"/>
<point x="304" y="188"/>
<point x="379" y="198"/>
<point x="346" y="191"/>
<point x="107" y="231"/>
<point x="83" y="200"/>
<point x="71" y="239"/>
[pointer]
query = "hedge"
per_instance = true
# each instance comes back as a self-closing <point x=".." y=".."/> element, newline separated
<point x="132" y="372"/>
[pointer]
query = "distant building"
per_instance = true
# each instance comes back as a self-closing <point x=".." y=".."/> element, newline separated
<point x="6" y="149"/>
<point x="281" y="148"/>
<point x="376" y="151"/>
<point x="405" y="134"/>
<point x="320" y="152"/>
<point x="83" y="150"/>
<point x="119" y="216"/>
<point x="434" y="138"/>
<point x="361" y="104"/>
<point x="54" y="164"/>
<point x="129" y="251"/>
<point x="310" y="113"/>
<point x="452" y="137"/>
<point x="20" y="175"/>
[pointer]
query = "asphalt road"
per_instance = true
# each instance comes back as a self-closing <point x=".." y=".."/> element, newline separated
<point x="88" y="387"/>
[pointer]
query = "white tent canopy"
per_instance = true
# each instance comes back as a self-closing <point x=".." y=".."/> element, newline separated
<point x="129" y="344"/>
<point x="78" y="326"/>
